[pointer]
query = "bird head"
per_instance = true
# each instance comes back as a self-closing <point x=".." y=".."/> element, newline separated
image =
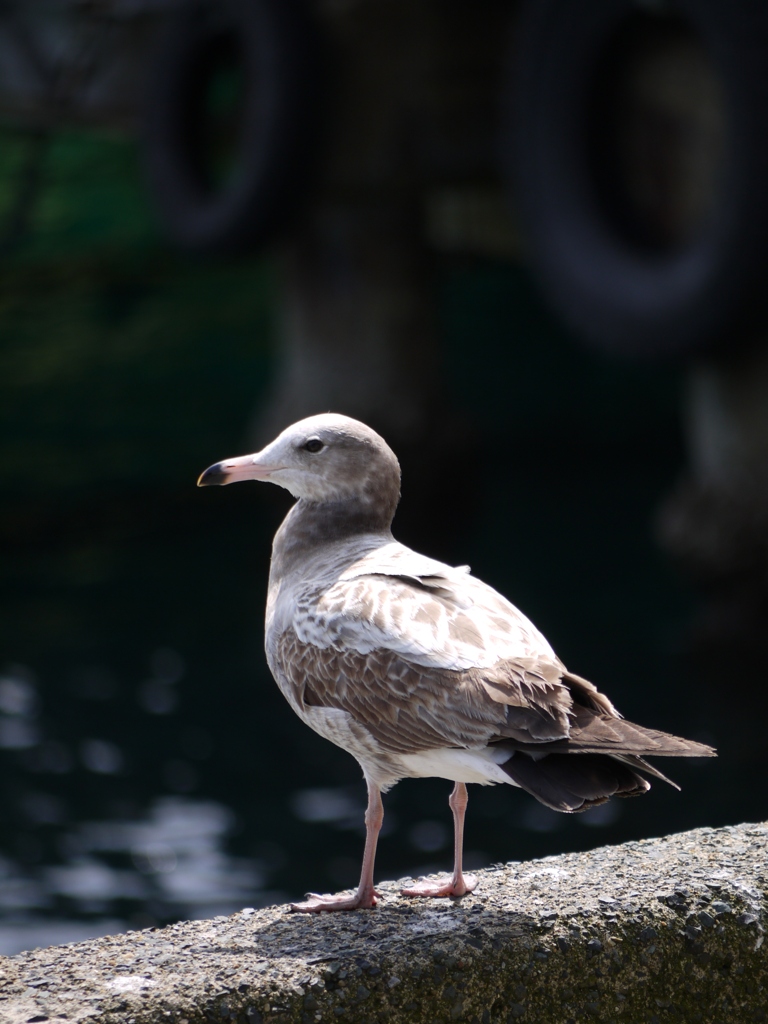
<point x="321" y="459"/>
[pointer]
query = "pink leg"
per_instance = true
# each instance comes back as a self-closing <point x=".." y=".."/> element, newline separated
<point x="460" y="884"/>
<point x="366" y="894"/>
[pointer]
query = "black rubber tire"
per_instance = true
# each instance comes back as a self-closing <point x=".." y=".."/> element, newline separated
<point x="616" y="294"/>
<point x="277" y="128"/>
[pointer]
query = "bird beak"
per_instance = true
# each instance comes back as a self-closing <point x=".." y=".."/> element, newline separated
<point x="247" y="467"/>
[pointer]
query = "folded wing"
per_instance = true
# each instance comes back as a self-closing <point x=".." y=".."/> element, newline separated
<point x="424" y="656"/>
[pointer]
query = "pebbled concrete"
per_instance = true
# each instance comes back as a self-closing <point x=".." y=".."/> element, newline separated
<point x="662" y="930"/>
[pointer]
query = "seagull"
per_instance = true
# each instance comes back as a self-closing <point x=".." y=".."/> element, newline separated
<point x="416" y="668"/>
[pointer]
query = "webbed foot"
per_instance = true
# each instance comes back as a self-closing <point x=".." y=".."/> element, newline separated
<point x="448" y="887"/>
<point x="315" y="904"/>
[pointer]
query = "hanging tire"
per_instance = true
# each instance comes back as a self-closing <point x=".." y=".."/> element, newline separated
<point x="231" y="121"/>
<point x="630" y="276"/>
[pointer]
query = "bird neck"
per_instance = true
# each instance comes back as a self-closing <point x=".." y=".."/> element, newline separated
<point x="310" y="526"/>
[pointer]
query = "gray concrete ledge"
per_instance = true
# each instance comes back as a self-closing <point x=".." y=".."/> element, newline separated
<point x="645" y="933"/>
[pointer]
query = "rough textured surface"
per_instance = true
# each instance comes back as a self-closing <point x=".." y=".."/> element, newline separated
<point x="660" y="930"/>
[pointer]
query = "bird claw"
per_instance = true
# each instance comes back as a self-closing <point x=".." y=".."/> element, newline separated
<point x="449" y="887"/>
<point x="316" y="904"/>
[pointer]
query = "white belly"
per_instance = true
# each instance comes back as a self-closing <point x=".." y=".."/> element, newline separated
<point x="478" y="765"/>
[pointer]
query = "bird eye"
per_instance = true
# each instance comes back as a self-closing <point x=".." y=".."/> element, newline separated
<point x="313" y="445"/>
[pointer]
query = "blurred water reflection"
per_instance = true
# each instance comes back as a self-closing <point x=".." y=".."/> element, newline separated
<point x="429" y="836"/>
<point x="18" y="708"/>
<point x="173" y="861"/>
<point x="339" y="806"/>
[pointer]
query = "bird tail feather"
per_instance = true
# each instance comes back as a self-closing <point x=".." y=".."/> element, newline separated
<point x="574" y="783"/>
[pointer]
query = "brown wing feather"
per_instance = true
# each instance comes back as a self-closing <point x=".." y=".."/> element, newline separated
<point x="593" y="733"/>
<point x="409" y="708"/>
<point x="538" y="704"/>
<point x="530" y="705"/>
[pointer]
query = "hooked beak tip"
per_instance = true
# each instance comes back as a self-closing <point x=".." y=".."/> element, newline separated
<point x="215" y="474"/>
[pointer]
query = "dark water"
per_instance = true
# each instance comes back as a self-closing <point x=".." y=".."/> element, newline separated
<point x="150" y="769"/>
